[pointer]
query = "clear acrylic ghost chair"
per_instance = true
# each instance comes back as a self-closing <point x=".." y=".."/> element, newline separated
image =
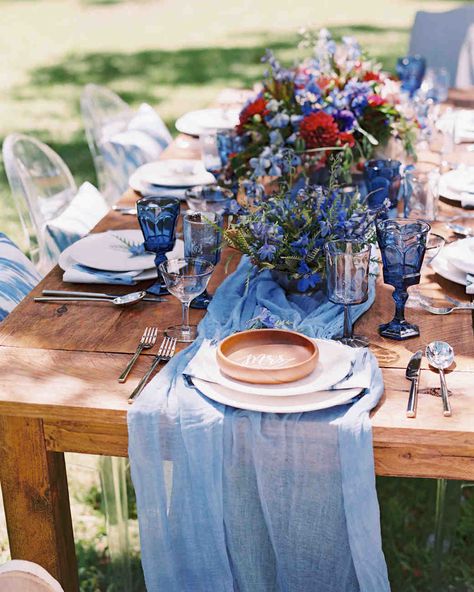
<point x="42" y="187"/>
<point x="438" y="37"/>
<point x="104" y="114"/>
<point x="25" y="576"/>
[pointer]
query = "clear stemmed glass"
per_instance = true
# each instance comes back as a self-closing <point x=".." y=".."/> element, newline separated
<point x="185" y="278"/>
<point x="157" y="217"/>
<point x="347" y="276"/>
<point x="402" y="245"/>
<point x="202" y="233"/>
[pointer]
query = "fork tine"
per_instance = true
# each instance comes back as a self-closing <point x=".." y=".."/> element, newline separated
<point x="153" y="336"/>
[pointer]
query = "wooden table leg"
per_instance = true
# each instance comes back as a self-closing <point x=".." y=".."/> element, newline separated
<point x="36" y="500"/>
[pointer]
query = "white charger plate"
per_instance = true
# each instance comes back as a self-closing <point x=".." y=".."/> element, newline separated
<point x="334" y="364"/>
<point x="443" y="266"/>
<point x="294" y="404"/>
<point x="176" y="172"/>
<point x="203" y="121"/>
<point x="105" y="252"/>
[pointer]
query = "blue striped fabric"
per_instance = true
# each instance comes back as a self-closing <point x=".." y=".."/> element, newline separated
<point x="143" y="140"/>
<point x="18" y="276"/>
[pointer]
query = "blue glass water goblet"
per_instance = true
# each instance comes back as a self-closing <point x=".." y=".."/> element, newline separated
<point x="411" y="70"/>
<point x="157" y="217"/>
<point x="202" y="233"/>
<point x="383" y="181"/>
<point x="402" y="245"/>
<point x="347" y="278"/>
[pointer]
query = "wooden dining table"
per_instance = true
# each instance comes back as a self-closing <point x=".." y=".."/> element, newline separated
<point x="59" y="392"/>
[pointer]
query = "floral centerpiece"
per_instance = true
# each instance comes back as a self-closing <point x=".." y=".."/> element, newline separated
<point x="285" y="232"/>
<point x="337" y="100"/>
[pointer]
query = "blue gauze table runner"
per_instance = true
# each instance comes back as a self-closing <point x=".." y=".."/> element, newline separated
<point x="235" y="500"/>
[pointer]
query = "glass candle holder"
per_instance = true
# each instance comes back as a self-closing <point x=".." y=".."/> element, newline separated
<point x="411" y="70"/>
<point x="347" y="277"/>
<point x="202" y="233"/>
<point x="402" y="245"/>
<point x="383" y="181"/>
<point x="157" y="217"/>
<point x="421" y="191"/>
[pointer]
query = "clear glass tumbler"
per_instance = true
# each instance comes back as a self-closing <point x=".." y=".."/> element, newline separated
<point x="347" y="277"/>
<point x="202" y="233"/>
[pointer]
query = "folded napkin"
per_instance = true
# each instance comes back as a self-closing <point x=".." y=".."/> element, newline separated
<point x="204" y="366"/>
<point x="81" y="274"/>
<point x="148" y="190"/>
<point x="239" y="500"/>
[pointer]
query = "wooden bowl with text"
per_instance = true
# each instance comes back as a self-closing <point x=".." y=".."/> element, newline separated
<point x="267" y="356"/>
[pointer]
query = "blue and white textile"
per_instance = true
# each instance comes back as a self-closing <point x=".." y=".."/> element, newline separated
<point x="238" y="500"/>
<point x="18" y="276"/>
<point x="143" y="140"/>
<point x="84" y="211"/>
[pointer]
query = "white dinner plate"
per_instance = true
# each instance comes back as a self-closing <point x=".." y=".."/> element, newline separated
<point x="295" y="404"/>
<point x="177" y="173"/>
<point x="104" y="251"/>
<point x="334" y="364"/>
<point x="199" y="122"/>
<point x="442" y="265"/>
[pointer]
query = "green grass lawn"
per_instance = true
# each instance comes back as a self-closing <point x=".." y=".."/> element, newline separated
<point x="177" y="55"/>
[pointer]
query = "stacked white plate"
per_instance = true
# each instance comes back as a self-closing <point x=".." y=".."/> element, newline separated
<point x="456" y="261"/>
<point x="104" y="258"/>
<point x="204" y="121"/>
<point x="170" y="178"/>
<point x="458" y="185"/>
<point x="341" y="374"/>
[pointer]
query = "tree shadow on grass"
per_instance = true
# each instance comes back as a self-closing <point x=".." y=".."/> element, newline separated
<point x="194" y="66"/>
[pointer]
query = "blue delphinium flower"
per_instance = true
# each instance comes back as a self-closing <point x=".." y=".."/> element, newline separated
<point x="267" y="252"/>
<point x="279" y="120"/>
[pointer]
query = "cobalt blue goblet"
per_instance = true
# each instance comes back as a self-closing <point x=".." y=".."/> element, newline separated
<point x="157" y="217"/>
<point x="411" y="70"/>
<point x="383" y="180"/>
<point x="402" y="245"/>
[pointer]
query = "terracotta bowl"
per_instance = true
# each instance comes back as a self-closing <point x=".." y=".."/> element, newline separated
<point x="267" y="356"/>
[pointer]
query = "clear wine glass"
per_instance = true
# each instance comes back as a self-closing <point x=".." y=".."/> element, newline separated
<point x="185" y="278"/>
<point x="347" y="276"/>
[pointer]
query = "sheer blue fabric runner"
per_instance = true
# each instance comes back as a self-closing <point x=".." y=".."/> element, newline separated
<point x="234" y="500"/>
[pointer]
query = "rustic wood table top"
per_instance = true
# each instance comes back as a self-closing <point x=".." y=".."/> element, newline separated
<point x="59" y="392"/>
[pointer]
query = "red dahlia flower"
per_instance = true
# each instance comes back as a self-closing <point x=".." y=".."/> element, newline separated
<point x="375" y="101"/>
<point x="257" y="107"/>
<point x="346" y="138"/>
<point x="319" y="130"/>
<point x="371" y="76"/>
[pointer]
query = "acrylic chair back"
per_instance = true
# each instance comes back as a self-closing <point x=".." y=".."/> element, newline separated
<point x="438" y="37"/>
<point x="104" y="113"/>
<point x="25" y="576"/>
<point x="42" y="187"/>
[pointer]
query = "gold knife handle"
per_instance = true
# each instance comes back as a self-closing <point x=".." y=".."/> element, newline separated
<point x="412" y="398"/>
